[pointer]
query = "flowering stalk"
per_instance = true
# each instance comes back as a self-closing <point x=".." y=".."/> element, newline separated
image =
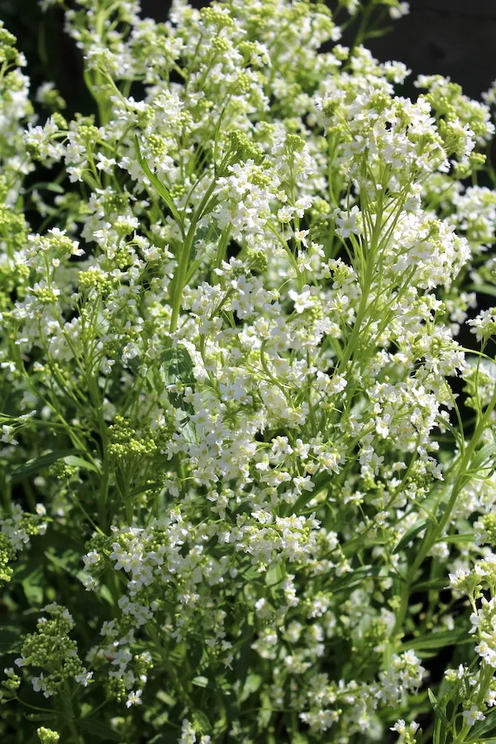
<point x="235" y="464"/>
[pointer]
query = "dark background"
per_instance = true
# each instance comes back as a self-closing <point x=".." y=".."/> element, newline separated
<point x="455" y="38"/>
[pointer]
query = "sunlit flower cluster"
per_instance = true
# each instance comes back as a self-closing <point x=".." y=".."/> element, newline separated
<point x="239" y="478"/>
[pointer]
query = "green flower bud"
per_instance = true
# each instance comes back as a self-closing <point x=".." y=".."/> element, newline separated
<point x="47" y="736"/>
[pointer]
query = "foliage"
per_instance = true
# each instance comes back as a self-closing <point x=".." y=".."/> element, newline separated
<point x="242" y="499"/>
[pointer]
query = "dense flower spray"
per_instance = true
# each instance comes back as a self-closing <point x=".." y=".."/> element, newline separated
<point x="241" y="499"/>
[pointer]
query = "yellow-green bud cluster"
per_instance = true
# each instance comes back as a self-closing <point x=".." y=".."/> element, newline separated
<point x="51" y="649"/>
<point x="262" y="180"/>
<point x="221" y="44"/>
<point x="47" y="736"/>
<point x="124" y="442"/>
<point x="95" y="279"/>
<point x="10" y="685"/>
<point x="294" y="143"/>
<point x="489" y="525"/>
<point x="157" y="145"/>
<point x="242" y="147"/>
<point x="258" y="260"/>
<point x="215" y="16"/>
<point x="116" y="689"/>
<point x="8" y="52"/>
<point x="248" y="48"/>
<point x="45" y="295"/>
<point x="63" y="471"/>
<point x="243" y="82"/>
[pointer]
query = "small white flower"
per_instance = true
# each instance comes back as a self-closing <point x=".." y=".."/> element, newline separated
<point x="348" y="222"/>
<point x="105" y="164"/>
<point x="402" y="9"/>
<point x="84" y="678"/>
<point x="473" y="715"/>
<point x="134" y="698"/>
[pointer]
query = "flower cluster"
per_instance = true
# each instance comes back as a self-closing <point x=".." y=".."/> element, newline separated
<point x="15" y="533"/>
<point x="51" y="649"/>
<point x="232" y="375"/>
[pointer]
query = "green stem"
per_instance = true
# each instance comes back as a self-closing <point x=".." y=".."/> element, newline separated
<point x="432" y="536"/>
<point x="68" y="714"/>
<point x="362" y="308"/>
<point x="182" y="267"/>
<point x="179" y="280"/>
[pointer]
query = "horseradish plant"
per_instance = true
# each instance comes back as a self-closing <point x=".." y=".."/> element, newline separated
<point x="247" y="468"/>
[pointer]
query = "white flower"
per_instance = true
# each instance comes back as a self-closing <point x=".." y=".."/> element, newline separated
<point x="84" y="678"/>
<point x="348" y="222"/>
<point x="8" y="434"/>
<point x="302" y="300"/>
<point x="473" y="715"/>
<point x="105" y="164"/>
<point x="400" y="727"/>
<point x="490" y="698"/>
<point x="130" y="351"/>
<point x="484" y="325"/>
<point x="134" y="698"/>
<point x="399" y="10"/>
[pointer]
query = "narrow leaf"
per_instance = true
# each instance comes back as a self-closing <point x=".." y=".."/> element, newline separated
<point x="438" y="710"/>
<point x="442" y="639"/>
<point x="157" y="183"/>
<point x="100" y="730"/>
<point x="79" y="462"/>
<point x="411" y="534"/>
<point x="34" y="466"/>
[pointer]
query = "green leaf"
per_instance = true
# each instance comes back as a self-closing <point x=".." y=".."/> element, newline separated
<point x="178" y="365"/>
<point x="439" y="640"/>
<point x="209" y="233"/>
<point x="39" y="463"/>
<point x="265" y="712"/>
<point x="78" y="462"/>
<point x="242" y="662"/>
<point x="32" y="587"/>
<point x="168" y="733"/>
<point x="430" y="585"/>
<point x="178" y="368"/>
<point x="157" y="183"/>
<point x="48" y="716"/>
<point x="64" y="562"/>
<point x="252" y="684"/>
<point x="482" y="459"/>
<point x="354" y="578"/>
<point x="376" y="33"/>
<point x="201" y="682"/>
<point x="202" y="720"/>
<point x="10" y="640"/>
<point x="438" y="710"/>
<point x="410" y="535"/>
<point x="468" y="537"/>
<point x="274" y="575"/>
<point x="49" y="185"/>
<point x="164" y="697"/>
<point x="99" y="729"/>
<point x="483" y="289"/>
<point x="146" y="487"/>
<point x="298" y="738"/>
